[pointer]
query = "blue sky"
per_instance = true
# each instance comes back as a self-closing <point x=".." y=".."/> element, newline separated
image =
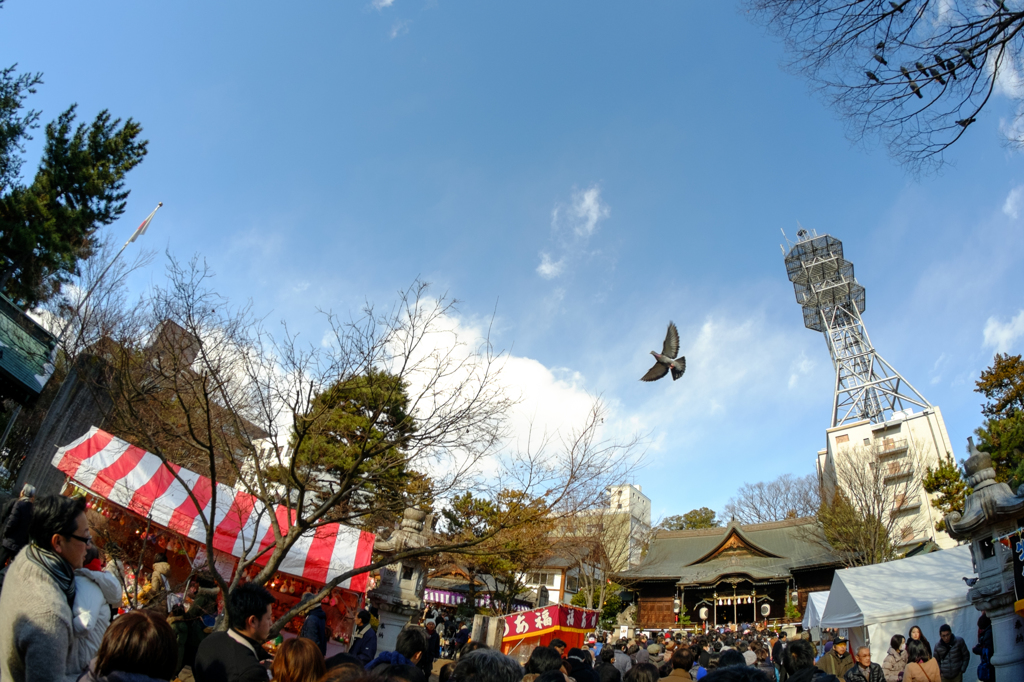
<point x="593" y="169"/>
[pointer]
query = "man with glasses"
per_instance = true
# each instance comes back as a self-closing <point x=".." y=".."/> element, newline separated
<point x="37" y="637"/>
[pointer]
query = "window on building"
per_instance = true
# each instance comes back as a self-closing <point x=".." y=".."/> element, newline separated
<point x="867" y="441"/>
<point x="845" y="438"/>
<point x="901" y="500"/>
<point x="572" y="584"/>
<point x="907" y="532"/>
<point x="894" y="468"/>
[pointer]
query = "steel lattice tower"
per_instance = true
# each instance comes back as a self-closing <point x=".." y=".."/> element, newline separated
<point x="867" y="387"/>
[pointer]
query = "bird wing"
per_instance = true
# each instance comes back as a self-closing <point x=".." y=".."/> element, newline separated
<point x="671" y="347"/>
<point x="678" y="367"/>
<point x="654" y="373"/>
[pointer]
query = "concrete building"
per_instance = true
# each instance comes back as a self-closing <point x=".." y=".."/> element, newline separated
<point x="627" y="525"/>
<point x="902" y="448"/>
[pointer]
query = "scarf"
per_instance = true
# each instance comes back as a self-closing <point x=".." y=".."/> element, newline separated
<point x="58" y="569"/>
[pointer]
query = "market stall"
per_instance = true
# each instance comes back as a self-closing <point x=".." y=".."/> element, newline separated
<point x="134" y="498"/>
<point x="816" y="602"/>
<point x="526" y="630"/>
<point x="872" y="603"/>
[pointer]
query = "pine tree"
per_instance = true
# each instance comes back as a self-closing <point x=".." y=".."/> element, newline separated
<point x="949" y="485"/>
<point x="49" y="225"/>
<point x="1002" y="435"/>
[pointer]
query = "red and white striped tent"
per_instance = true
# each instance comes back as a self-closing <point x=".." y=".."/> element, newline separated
<point x="140" y="482"/>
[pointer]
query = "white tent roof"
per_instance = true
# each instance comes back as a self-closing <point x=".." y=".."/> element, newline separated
<point x="906" y="588"/>
<point x="815" y="607"/>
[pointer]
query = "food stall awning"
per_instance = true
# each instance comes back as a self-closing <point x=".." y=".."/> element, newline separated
<point x="549" y="619"/>
<point x="140" y="482"/>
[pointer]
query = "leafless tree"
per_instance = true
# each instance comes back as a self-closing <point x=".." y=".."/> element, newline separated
<point x="787" y="497"/>
<point x="412" y="415"/>
<point x="872" y="503"/>
<point x="916" y="73"/>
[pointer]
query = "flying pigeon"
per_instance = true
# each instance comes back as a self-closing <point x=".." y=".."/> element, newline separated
<point x="666" y="359"/>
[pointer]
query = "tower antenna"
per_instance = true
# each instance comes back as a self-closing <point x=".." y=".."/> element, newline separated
<point x="866" y="386"/>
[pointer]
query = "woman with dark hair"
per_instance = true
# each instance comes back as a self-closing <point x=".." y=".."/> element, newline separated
<point x="896" y="660"/>
<point x="918" y="636"/>
<point x="644" y="672"/>
<point x="137" y="647"/>
<point x="298" y="660"/>
<point x="921" y="667"/>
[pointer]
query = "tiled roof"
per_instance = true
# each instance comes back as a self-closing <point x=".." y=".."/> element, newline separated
<point x="689" y="556"/>
<point x="24" y="354"/>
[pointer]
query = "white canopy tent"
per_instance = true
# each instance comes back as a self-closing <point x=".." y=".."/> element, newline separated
<point x="815" y="608"/>
<point x="876" y="602"/>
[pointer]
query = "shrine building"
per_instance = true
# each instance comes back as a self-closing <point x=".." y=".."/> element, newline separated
<point x="732" y="571"/>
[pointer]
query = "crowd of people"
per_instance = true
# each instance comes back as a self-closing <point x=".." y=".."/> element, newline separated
<point x="57" y="624"/>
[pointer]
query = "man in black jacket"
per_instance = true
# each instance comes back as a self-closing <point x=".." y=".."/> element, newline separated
<point x="237" y="655"/>
<point x="952" y="654"/>
<point x="779" y="656"/>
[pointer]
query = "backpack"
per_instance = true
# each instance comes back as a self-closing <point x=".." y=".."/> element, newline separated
<point x="985" y="667"/>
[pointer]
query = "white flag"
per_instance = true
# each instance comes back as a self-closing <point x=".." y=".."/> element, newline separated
<point x="141" y="229"/>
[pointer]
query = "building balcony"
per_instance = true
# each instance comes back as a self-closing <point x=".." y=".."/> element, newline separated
<point x="889" y="447"/>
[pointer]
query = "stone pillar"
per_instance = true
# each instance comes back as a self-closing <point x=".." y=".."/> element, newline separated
<point x="991" y="512"/>
<point x="399" y="596"/>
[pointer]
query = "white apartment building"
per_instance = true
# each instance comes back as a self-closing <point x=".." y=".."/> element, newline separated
<point x="628" y="520"/>
<point x="904" y="446"/>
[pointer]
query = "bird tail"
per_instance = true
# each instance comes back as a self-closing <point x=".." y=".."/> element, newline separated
<point x="678" y="367"/>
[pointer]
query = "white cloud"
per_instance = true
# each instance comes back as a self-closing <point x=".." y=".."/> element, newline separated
<point x="399" y="29"/>
<point x="1002" y="336"/>
<point x="572" y="226"/>
<point x="588" y="210"/>
<point x="382" y="4"/>
<point x="549" y="269"/>
<point x="798" y="368"/>
<point x="1011" y="206"/>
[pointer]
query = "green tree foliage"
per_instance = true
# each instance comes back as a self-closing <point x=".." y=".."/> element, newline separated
<point x="354" y="435"/>
<point x="948" y="484"/>
<point x="1002" y="434"/>
<point x="49" y="225"/>
<point x="514" y="528"/>
<point x="693" y="519"/>
<point x="609" y="610"/>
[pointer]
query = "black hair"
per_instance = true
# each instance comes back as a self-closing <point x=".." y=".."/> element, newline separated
<point x="731" y="657"/>
<point x="392" y="672"/>
<point x="247" y="600"/>
<point x="364" y="616"/>
<point x="735" y="673"/>
<point x="606" y="673"/>
<point x="54" y="515"/>
<point x="643" y="672"/>
<point x="799" y="655"/>
<point x="665" y="669"/>
<point x="411" y="642"/>
<point x="557" y="643"/>
<point x="945" y="628"/>
<point x="555" y="676"/>
<point x="712" y="661"/>
<point x="897" y="641"/>
<point x="543" y="659"/>
<point x="682" y="658"/>
<point x="160" y="557"/>
<point x="607" y="654"/>
<point x="917" y="650"/>
<point x="984" y="622"/>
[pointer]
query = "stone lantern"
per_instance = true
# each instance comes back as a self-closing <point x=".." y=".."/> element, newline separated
<point x="991" y="512"/>
<point x="399" y="596"/>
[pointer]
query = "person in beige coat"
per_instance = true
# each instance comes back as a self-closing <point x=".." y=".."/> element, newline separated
<point x="921" y="667"/>
<point x="896" y="660"/>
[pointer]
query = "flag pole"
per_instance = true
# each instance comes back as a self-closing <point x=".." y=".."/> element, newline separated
<point x="139" y="231"/>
